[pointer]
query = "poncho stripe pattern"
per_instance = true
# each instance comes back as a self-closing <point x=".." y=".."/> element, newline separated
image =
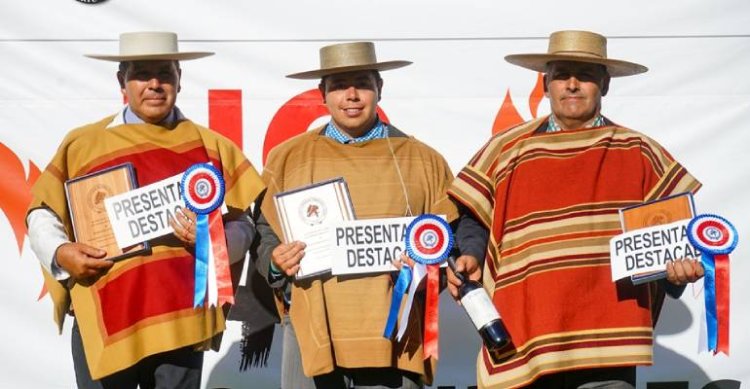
<point x="551" y="202"/>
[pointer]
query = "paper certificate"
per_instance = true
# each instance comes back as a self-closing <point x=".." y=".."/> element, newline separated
<point x="308" y="214"/>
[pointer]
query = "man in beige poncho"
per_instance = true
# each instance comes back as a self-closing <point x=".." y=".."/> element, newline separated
<point x="135" y="324"/>
<point x="338" y="322"/>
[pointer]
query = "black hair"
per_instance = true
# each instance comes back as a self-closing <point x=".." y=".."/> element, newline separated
<point x="375" y="73"/>
<point x="124" y="65"/>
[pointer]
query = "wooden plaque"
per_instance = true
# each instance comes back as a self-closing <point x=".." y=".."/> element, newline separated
<point x="654" y="213"/>
<point x="88" y="215"/>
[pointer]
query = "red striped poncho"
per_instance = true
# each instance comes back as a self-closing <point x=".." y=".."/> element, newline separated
<point x="551" y="202"/>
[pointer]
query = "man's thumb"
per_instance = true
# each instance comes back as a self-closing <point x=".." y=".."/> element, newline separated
<point x="93" y="252"/>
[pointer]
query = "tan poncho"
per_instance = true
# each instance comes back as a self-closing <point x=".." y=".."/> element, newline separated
<point x="143" y="305"/>
<point x="339" y="321"/>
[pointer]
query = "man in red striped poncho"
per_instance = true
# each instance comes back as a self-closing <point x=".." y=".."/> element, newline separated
<point x="548" y="192"/>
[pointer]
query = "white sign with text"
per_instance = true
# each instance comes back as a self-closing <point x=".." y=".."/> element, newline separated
<point x="369" y="245"/>
<point x="144" y="213"/>
<point x="649" y="249"/>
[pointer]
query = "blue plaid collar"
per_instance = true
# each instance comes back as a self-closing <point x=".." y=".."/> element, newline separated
<point x="377" y="132"/>
<point x="552" y="125"/>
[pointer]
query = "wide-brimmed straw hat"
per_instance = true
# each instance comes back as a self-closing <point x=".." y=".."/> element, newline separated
<point x="149" y="45"/>
<point x="348" y="57"/>
<point x="578" y="46"/>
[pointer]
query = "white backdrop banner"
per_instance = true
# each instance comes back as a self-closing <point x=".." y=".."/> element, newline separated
<point x="694" y="100"/>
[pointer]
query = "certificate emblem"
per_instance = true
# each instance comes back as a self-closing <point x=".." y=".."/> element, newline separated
<point x="658" y="218"/>
<point x="313" y="211"/>
<point x="96" y="196"/>
<point x="202" y="188"/>
<point x="428" y="239"/>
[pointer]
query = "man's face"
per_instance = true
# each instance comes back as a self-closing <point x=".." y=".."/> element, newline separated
<point x="151" y="88"/>
<point x="575" y="91"/>
<point x="352" y="99"/>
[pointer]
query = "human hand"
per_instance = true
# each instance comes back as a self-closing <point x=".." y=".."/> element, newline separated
<point x="684" y="271"/>
<point x="183" y="225"/>
<point x="82" y="261"/>
<point x="405" y="260"/>
<point x="287" y="256"/>
<point x="467" y="265"/>
<point x="402" y="260"/>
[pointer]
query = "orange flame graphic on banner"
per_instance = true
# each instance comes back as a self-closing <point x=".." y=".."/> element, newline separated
<point x="17" y="196"/>
<point x="508" y="115"/>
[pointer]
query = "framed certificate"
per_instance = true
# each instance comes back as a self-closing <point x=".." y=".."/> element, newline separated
<point x="308" y="214"/>
<point x="653" y="213"/>
<point x="86" y="194"/>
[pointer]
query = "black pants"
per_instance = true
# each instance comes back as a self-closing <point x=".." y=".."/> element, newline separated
<point x="177" y="369"/>
<point x="614" y="377"/>
<point x="368" y="378"/>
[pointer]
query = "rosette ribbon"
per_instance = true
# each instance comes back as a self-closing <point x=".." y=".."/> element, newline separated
<point x="402" y="283"/>
<point x="203" y="191"/>
<point x="715" y="237"/>
<point x="428" y="242"/>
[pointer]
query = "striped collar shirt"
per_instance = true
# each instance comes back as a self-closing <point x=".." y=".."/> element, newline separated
<point x="552" y="125"/>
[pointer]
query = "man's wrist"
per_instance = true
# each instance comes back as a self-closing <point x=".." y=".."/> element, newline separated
<point x="274" y="272"/>
<point x="55" y="262"/>
<point x="57" y="270"/>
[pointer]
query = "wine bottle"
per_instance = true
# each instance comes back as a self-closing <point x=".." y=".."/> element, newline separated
<point x="481" y="311"/>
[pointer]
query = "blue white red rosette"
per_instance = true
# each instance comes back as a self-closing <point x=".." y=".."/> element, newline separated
<point x="429" y="241"/>
<point x="712" y="234"/>
<point x="715" y="237"/>
<point x="202" y="188"/>
<point x="203" y="191"/>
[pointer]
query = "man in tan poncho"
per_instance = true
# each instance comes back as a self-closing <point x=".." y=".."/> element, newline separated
<point x="339" y="321"/>
<point x="135" y="321"/>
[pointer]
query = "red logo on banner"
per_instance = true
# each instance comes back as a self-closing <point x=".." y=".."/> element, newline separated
<point x="508" y="115"/>
<point x="295" y="117"/>
<point x="17" y="187"/>
<point x="225" y="113"/>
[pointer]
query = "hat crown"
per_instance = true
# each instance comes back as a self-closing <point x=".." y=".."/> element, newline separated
<point x="148" y="43"/>
<point x="576" y="46"/>
<point x="149" y="46"/>
<point x="578" y="43"/>
<point x="347" y="54"/>
<point x="348" y="57"/>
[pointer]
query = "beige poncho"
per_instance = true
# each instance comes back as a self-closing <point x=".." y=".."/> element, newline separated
<point x="339" y="321"/>
<point x="142" y="305"/>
